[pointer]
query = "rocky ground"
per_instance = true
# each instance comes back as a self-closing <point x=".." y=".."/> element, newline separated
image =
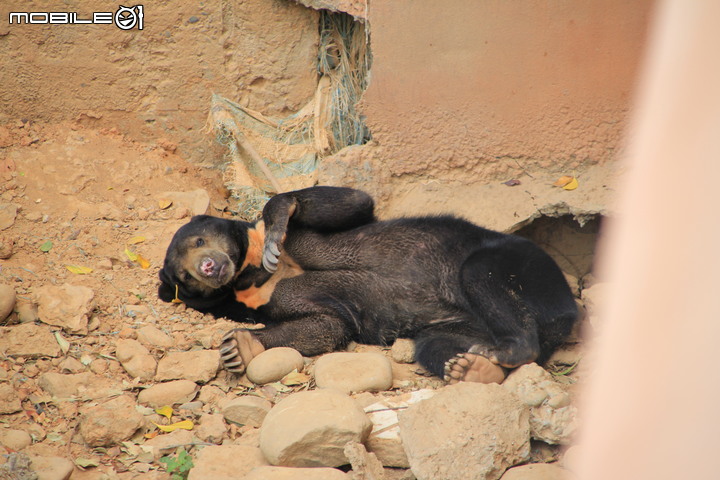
<point x="101" y="380"/>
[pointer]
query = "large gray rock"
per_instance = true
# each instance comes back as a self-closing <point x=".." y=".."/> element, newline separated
<point x="311" y="428"/>
<point x="354" y="372"/>
<point x="225" y="462"/>
<point x="439" y="433"/>
<point x="553" y="418"/>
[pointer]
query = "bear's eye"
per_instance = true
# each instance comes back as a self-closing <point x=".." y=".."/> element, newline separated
<point x="186" y="276"/>
<point x="199" y="242"/>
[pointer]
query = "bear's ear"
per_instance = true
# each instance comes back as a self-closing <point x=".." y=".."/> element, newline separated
<point x="166" y="290"/>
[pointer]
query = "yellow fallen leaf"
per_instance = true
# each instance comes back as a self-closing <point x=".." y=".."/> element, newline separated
<point x="165" y="411"/>
<point x="164" y="203"/>
<point x="295" y="378"/>
<point x="184" y="425"/>
<point x="143" y="262"/>
<point x="131" y="255"/>
<point x="151" y="435"/>
<point x="562" y="181"/>
<point x="78" y="270"/>
<point x="571" y="185"/>
<point x="136" y="240"/>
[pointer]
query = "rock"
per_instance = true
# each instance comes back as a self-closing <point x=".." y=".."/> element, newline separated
<point x="16" y="467"/>
<point x="29" y="341"/>
<point x="226" y="462"/>
<point x="71" y="365"/>
<point x="311" y="428"/>
<point x="354" y="372"/>
<point x="152" y="336"/>
<point x="198" y="366"/>
<point x="211" y="429"/>
<point x="167" y="443"/>
<point x="9" y="401"/>
<point x="85" y="385"/>
<point x="403" y="350"/>
<point x="552" y="416"/>
<point x="52" y="468"/>
<point x="486" y="420"/>
<point x="135" y="359"/>
<point x="537" y="471"/>
<point x="384" y="439"/>
<point x="7" y="301"/>
<point x="212" y="395"/>
<point x="246" y="410"/>
<point x="67" y="306"/>
<point x="273" y="364"/>
<point x="27" y="311"/>
<point x="285" y="473"/>
<point x="365" y="466"/>
<point x="64" y="385"/>
<point x="7" y="245"/>
<point x="170" y="393"/>
<point x="8" y="212"/>
<point x="197" y="201"/>
<point x="15" y="439"/>
<point x="110" y="423"/>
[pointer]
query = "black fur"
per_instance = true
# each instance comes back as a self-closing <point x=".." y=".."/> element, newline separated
<point x="446" y="283"/>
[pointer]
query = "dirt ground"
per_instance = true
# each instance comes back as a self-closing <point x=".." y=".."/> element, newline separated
<point x="94" y="199"/>
<point x="89" y="192"/>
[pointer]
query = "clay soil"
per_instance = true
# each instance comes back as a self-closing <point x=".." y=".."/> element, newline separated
<point x="91" y="194"/>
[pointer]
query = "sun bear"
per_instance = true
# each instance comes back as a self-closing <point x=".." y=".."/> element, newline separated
<point x="319" y="271"/>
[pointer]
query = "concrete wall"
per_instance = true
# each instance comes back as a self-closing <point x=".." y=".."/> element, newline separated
<point x="158" y="82"/>
<point x="476" y="90"/>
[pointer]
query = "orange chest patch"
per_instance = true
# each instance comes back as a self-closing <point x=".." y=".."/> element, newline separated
<point x="255" y="297"/>
<point x="256" y="242"/>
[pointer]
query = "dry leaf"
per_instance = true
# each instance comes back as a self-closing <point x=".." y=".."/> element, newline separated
<point x="131" y="255"/>
<point x="165" y="411"/>
<point x="562" y="181"/>
<point x="151" y="435"/>
<point x="295" y="378"/>
<point x="86" y="462"/>
<point x="136" y="240"/>
<point x="143" y="262"/>
<point x="184" y="425"/>
<point x="64" y="344"/>
<point x="164" y="203"/>
<point x="78" y="270"/>
<point x="571" y="185"/>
